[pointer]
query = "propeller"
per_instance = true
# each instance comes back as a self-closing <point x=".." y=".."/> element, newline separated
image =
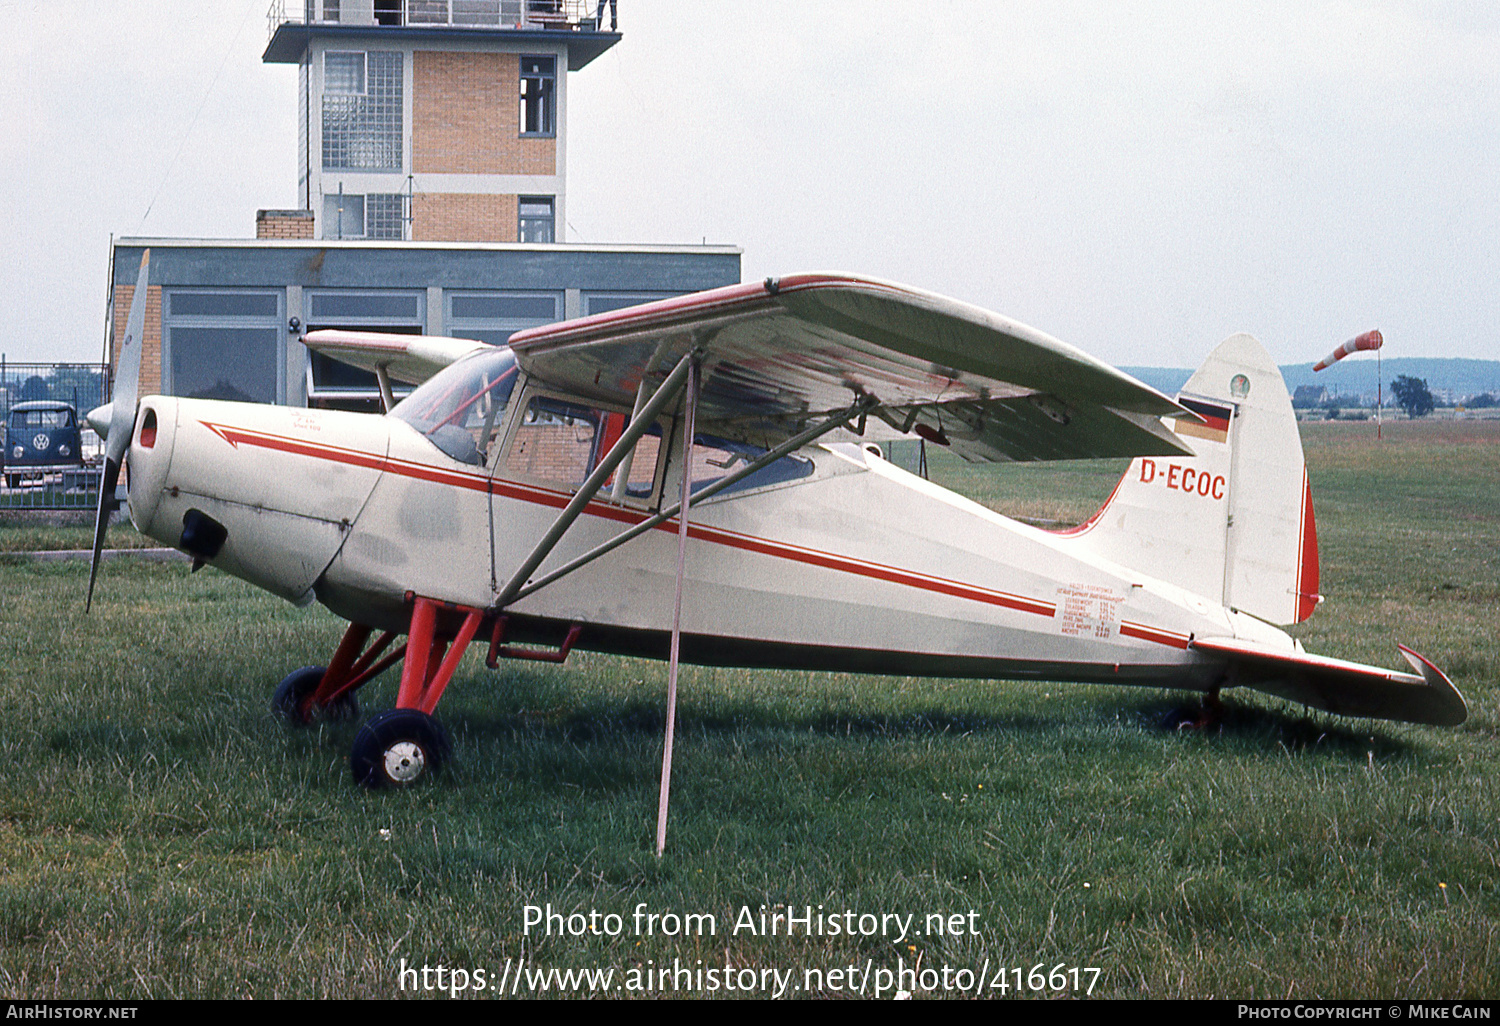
<point x="119" y="415"/>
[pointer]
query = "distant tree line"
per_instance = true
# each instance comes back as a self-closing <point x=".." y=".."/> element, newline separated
<point x="1410" y="394"/>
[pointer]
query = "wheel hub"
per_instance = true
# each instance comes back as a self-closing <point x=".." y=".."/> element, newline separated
<point x="404" y="762"/>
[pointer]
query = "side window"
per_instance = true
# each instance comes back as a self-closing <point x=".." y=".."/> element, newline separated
<point x="641" y="482"/>
<point x="555" y="441"/>
<point x="538" y="85"/>
<point x="715" y="458"/>
<point x="537" y="223"/>
<point x="561" y="443"/>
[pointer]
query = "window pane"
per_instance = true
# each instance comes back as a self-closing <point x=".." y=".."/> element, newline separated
<point x="427" y="12"/>
<point x="222" y="304"/>
<point x="460" y="408"/>
<point x="538" y="75"/>
<point x="26" y="419"/>
<point x="384" y="218"/>
<point x="344" y="73"/>
<point x="555" y="442"/>
<point x="536" y="219"/>
<point x="543" y="308"/>
<point x="597" y="303"/>
<point x="365" y="306"/>
<point x="478" y="12"/>
<point x="224" y="363"/>
<point x="714" y="458"/>
<point x="343" y="216"/>
<point x="329" y="374"/>
<point x="362" y="131"/>
<point x="494" y="338"/>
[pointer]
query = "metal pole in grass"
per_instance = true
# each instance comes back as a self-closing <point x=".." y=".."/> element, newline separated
<point x="689" y="416"/>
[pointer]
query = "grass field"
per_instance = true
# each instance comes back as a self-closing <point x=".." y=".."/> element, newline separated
<point x="161" y="836"/>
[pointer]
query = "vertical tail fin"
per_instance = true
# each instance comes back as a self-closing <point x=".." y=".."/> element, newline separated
<point x="1234" y="523"/>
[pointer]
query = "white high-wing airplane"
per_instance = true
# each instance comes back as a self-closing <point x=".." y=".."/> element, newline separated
<point x="530" y="493"/>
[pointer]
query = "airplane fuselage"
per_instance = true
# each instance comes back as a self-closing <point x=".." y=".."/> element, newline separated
<point x="857" y="565"/>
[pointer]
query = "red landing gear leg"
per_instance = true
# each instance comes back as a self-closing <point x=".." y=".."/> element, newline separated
<point x="313" y="690"/>
<point x="1205" y="717"/>
<point x="399" y="747"/>
<point x="1213" y="711"/>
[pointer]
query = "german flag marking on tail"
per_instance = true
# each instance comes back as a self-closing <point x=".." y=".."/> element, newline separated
<point x="1216" y="417"/>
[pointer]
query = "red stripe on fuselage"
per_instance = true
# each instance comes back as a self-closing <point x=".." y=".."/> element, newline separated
<point x="1139" y="630"/>
<point x="557" y="500"/>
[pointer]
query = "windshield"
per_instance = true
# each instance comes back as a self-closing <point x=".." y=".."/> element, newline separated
<point x="41" y="418"/>
<point x="461" y="407"/>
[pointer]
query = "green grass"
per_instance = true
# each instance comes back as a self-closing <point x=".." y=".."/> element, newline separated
<point x="162" y="836"/>
<point x="42" y="530"/>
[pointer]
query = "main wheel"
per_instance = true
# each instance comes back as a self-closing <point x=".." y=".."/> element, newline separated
<point x="398" y="748"/>
<point x="291" y="694"/>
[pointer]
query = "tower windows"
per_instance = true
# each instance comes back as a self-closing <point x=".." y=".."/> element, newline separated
<point x="362" y="118"/>
<point x="388" y="12"/>
<point x="343" y="216"/>
<point x="374" y="216"/>
<point x="538" y="95"/>
<point x="537" y="219"/>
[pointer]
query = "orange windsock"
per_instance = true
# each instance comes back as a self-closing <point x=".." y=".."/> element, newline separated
<point x="1369" y="340"/>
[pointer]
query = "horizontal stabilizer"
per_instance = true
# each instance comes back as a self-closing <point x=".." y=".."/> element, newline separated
<point x="1345" y="688"/>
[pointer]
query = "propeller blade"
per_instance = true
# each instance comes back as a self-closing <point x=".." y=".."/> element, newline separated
<point x="107" y="506"/>
<point x="128" y="371"/>
<point x="121" y="417"/>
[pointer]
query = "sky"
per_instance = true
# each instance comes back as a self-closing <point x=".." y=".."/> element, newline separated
<point x="1138" y="179"/>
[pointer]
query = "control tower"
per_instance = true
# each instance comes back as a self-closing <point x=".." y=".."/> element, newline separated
<point x="433" y="201"/>
<point x="433" y="120"/>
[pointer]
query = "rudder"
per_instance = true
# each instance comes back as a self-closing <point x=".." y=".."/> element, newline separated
<point x="1234" y="523"/>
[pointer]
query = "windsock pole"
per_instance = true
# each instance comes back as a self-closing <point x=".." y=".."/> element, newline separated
<point x="1361" y="343"/>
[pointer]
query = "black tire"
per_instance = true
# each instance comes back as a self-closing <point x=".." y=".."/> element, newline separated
<point x="398" y="748"/>
<point x="287" y="702"/>
<point x="1183" y="717"/>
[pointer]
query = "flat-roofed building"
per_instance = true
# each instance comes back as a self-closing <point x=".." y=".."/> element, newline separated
<point x="432" y="171"/>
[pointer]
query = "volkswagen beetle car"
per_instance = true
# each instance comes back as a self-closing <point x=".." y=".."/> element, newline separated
<point x="41" y="438"/>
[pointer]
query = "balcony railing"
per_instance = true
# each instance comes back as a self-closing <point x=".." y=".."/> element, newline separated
<point x="566" y="15"/>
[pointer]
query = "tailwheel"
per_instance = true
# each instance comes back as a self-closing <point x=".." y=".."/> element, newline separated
<point x="1207" y="716"/>
<point x="292" y="701"/>
<point x="398" y="748"/>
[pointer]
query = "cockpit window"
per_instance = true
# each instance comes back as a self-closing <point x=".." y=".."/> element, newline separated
<point x="715" y="458"/>
<point x="460" y="409"/>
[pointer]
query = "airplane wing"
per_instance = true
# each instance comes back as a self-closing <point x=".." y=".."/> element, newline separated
<point x="783" y="352"/>
<point x="1345" y="688"/>
<point x="409" y="358"/>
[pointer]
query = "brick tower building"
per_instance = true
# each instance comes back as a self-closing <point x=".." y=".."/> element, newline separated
<point x="435" y="120"/>
<point x="432" y="176"/>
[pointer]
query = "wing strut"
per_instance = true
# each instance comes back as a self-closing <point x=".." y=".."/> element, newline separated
<point x="689" y="415"/>
<point x="590" y="487"/>
<point x="622" y="479"/>
<point x="387" y="395"/>
<point x="792" y="444"/>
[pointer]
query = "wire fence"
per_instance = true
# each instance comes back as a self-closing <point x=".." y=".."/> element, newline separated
<point x="82" y="386"/>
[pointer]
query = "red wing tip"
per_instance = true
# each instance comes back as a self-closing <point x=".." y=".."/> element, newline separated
<point x="1458" y="708"/>
<point x="1418" y="661"/>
